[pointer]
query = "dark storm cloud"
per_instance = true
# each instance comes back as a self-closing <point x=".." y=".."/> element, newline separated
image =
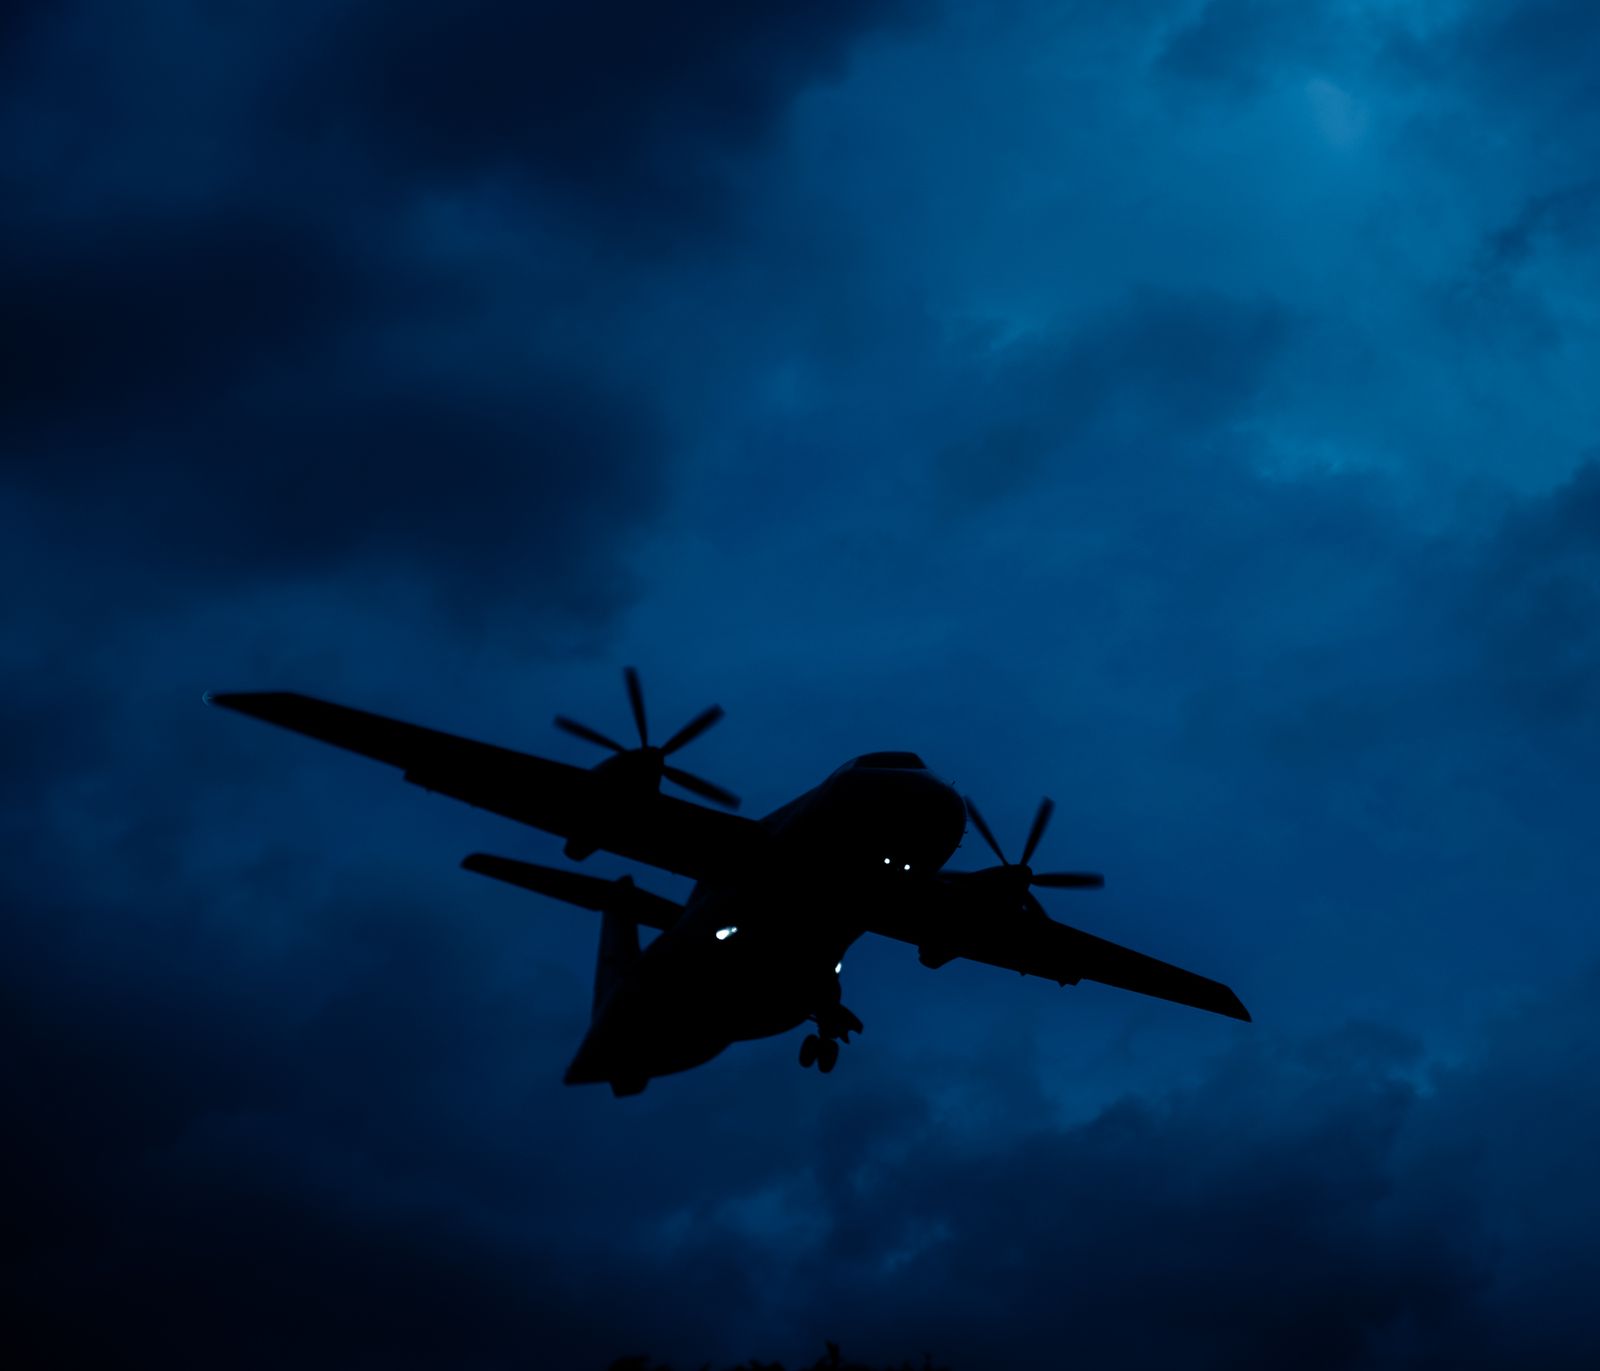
<point x="1537" y="56"/>
<point x="265" y="336"/>
<point x="325" y="1152"/>
<point x="630" y="109"/>
<point x="268" y="384"/>
<point x="201" y="1173"/>
<point x="915" y="384"/>
<point x="16" y="24"/>
<point x="1291" y="1207"/>
<point x="241" y="342"/>
<point x="333" y="1123"/>
<point x="132" y="322"/>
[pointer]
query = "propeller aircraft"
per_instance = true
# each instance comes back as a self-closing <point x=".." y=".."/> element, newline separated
<point x="758" y="947"/>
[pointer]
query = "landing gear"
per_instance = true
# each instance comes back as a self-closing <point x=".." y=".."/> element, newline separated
<point x="823" y="1053"/>
<point x="834" y="1024"/>
<point x="835" y="1021"/>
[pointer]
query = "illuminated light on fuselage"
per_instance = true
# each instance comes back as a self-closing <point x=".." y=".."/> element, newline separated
<point x="838" y="967"/>
<point x="886" y="861"/>
<point x="723" y="934"/>
<point x="908" y="866"/>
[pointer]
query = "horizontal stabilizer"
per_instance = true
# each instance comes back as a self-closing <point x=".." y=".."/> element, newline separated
<point x="621" y="896"/>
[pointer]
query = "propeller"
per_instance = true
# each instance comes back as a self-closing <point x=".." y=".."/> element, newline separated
<point x="651" y="755"/>
<point x="1053" y="880"/>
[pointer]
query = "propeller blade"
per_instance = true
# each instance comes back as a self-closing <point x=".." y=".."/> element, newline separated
<point x="636" y="699"/>
<point x="700" y="786"/>
<point x="1070" y="880"/>
<point x="1047" y="807"/>
<point x="588" y="734"/>
<point x="983" y="828"/>
<point x="692" y="730"/>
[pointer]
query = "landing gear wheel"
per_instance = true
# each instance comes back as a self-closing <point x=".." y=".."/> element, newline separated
<point x="827" y="1055"/>
<point x="810" y="1047"/>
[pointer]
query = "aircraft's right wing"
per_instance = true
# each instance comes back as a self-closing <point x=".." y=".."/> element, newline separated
<point x="659" y="830"/>
<point x="1038" y="946"/>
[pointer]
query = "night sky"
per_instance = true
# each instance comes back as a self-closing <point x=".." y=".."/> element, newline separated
<point x="1183" y="408"/>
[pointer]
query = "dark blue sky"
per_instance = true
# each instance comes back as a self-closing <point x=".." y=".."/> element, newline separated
<point x="1184" y="408"/>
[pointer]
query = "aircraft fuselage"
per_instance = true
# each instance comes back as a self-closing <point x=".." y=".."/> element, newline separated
<point x="866" y="836"/>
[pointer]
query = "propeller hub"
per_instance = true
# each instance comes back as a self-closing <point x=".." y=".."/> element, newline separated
<point x="649" y="757"/>
<point x="1020" y="876"/>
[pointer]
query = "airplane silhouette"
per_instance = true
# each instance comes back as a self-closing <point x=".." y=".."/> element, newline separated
<point x="758" y="948"/>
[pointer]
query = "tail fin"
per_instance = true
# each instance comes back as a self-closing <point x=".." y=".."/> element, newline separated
<point x="619" y="950"/>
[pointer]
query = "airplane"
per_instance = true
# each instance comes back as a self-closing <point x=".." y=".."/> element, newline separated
<point x="758" y="947"/>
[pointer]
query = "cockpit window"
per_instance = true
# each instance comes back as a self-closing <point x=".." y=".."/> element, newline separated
<point x="901" y="761"/>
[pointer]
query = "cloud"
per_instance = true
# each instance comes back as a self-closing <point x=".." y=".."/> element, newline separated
<point x="1535" y="606"/>
<point x="1531" y="60"/>
<point x="627" y="110"/>
<point x="301" y="1153"/>
<point x="302" y="345"/>
<point x="1269" y="1213"/>
<point x="1241" y="45"/>
<point x="1161" y="367"/>
<point x="938" y="380"/>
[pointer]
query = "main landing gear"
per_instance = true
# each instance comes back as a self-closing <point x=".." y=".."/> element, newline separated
<point x="823" y="1053"/>
<point x="835" y="1024"/>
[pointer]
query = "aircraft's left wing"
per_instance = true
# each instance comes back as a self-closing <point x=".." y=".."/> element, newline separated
<point x="565" y="800"/>
<point x="1038" y="946"/>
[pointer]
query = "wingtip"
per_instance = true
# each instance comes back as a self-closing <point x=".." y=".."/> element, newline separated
<point x="206" y="696"/>
<point x="260" y="703"/>
<point x="239" y="701"/>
